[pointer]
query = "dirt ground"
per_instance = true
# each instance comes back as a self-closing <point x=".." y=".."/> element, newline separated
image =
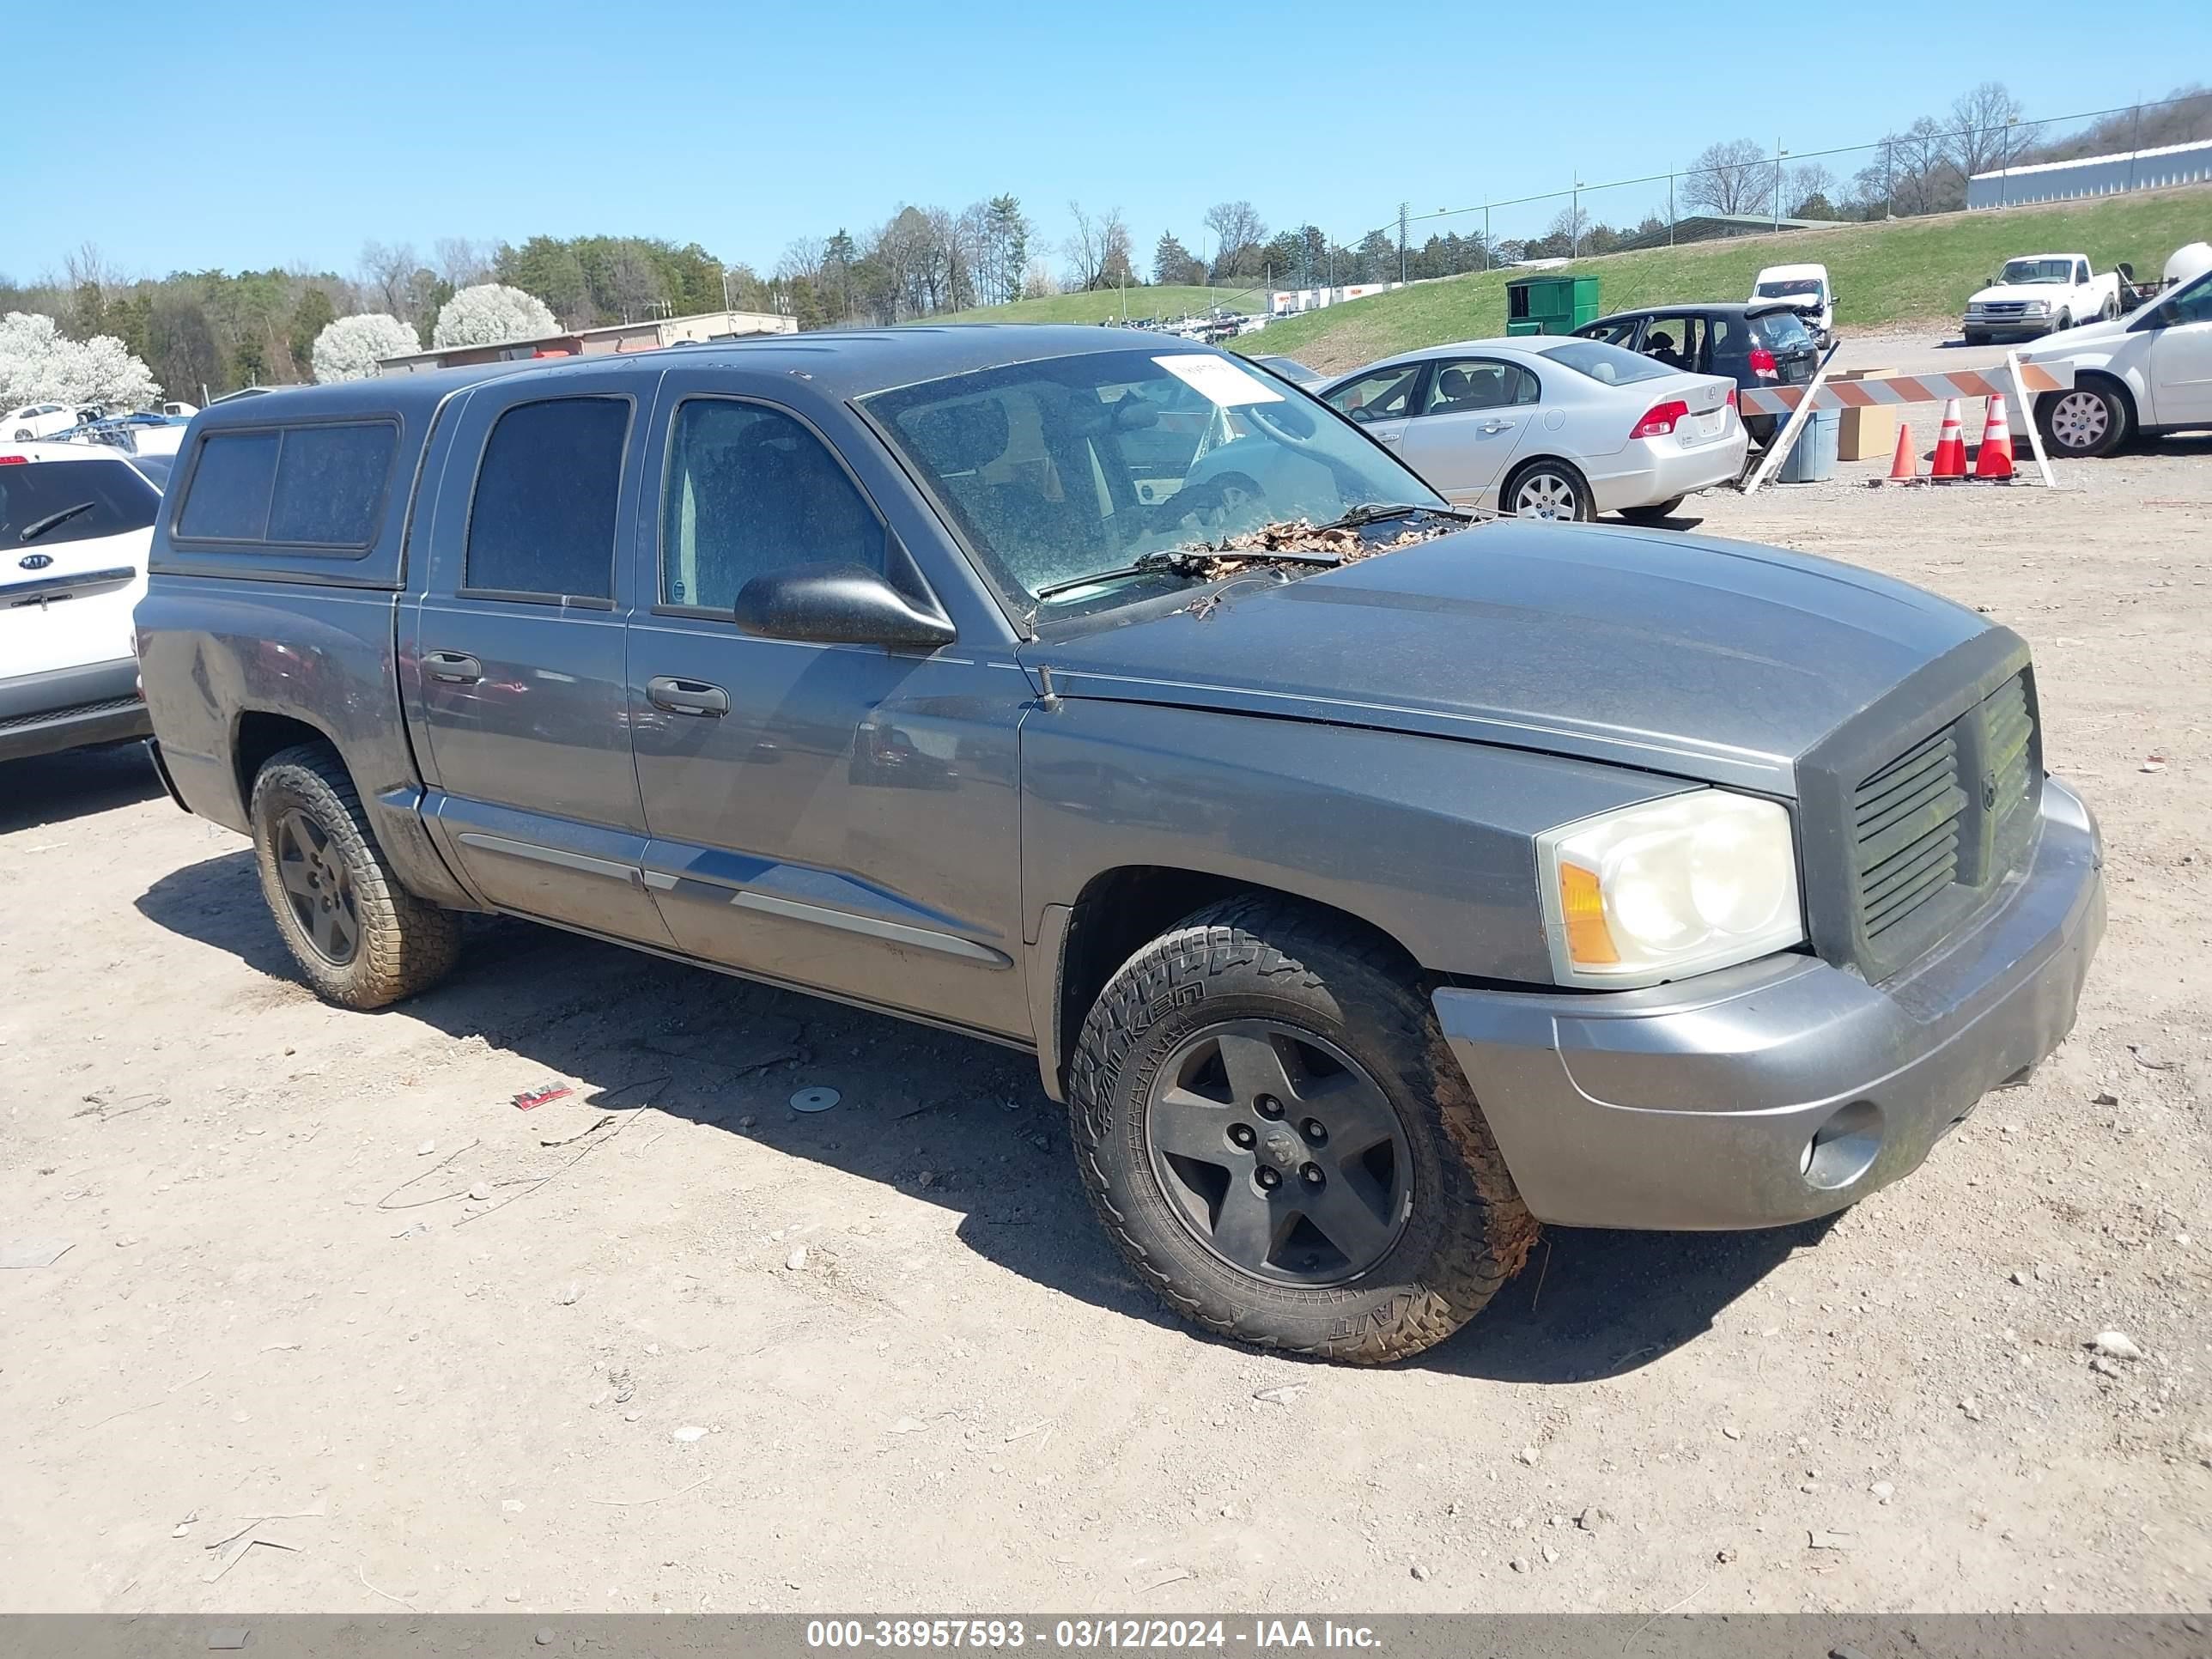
<point x="926" y="1382"/>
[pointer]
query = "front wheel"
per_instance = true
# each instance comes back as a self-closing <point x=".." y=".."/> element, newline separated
<point x="1547" y="490"/>
<point x="1271" y="1128"/>
<point x="2090" y="420"/>
<point x="2065" y="321"/>
<point x="362" y="939"/>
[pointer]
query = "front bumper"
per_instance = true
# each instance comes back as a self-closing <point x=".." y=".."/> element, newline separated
<point x="44" y="713"/>
<point x="2025" y="328"/>
<point x="1691" y="1106"/>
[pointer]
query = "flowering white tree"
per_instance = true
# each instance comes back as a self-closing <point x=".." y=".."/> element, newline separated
<point x="38" y="364"/>
<point x="350" y="348"/>
<point x="490" y="314"/>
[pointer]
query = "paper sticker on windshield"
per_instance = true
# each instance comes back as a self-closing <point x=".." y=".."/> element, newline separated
<point x="1218" y="380"/>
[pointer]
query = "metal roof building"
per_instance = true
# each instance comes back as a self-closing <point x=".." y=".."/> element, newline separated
<point x="650" y="335"/>
<point x="2093" y="175"/>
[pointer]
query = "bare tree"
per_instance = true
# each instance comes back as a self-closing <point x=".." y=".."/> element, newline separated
<point x="802" y="259"/>
<point x="389" y="273"/>
<point x="1082" y="247"/>
<point x="639" y="290"/>
<point x="1981" y="137"/>
<point x="1240" y="238"/>
<point x="1038" y="283"/>
<point x="462" y="262"/>
<point x="1736" y="177"/>
<point x="1809" y="186"/>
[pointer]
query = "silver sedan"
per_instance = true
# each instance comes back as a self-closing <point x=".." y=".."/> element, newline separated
<point x="1550" y="426"/>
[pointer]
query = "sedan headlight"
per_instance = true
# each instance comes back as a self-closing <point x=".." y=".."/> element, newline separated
<point x="1668" y="889"/>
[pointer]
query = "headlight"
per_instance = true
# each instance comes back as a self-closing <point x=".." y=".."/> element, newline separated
<point x="1669" y="889"/>
<point x="2037" y="307"/>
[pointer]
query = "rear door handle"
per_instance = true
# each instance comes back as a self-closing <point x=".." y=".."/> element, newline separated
<point x="453" y="667"/>
<point x="680" y="696"/>
<point x="1495" y="426"/>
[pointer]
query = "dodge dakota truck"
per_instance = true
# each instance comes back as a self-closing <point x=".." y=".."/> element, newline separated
<point x="1372" y="886"/>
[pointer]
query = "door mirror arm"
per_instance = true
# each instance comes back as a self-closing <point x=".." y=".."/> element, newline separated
<point x="836" y="604"/>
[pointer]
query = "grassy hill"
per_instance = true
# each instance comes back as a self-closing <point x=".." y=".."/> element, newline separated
<point x="1100" y="304"/>
<point x="1909" y="270"/>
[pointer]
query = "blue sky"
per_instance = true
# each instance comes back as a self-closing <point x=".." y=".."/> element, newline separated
<point x="249" y="133"/>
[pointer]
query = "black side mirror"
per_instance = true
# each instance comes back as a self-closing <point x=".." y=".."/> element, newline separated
<point x="836" y="604"/>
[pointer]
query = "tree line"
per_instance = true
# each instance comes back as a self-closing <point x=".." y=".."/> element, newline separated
<point x="215" y="330"/>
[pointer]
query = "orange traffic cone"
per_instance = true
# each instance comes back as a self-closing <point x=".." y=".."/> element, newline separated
<point x="1994" y="458"/>
<point x="1950" y="460"/>
<point x="1904" y="466"/>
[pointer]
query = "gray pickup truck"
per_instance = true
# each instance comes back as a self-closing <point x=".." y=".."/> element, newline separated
<point x="1371" y="886"/>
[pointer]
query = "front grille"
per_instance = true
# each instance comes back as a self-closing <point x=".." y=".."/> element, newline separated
<point x="114" y="705"/>
<point x="1904" y="820"/>
<point x="1932" y="829"/>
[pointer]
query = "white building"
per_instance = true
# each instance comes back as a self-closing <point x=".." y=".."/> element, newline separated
<point x="2093" y="175"/>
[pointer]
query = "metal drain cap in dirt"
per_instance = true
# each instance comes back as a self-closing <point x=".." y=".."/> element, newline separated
<point x="815" y="1100"/>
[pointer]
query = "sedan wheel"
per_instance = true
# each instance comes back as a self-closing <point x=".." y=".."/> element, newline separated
<point x="1547" y="491"/>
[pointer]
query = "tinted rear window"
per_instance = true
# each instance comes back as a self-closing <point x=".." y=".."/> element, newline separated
<point x="1607" y="364"/>
<point x="303" y="486"/>
<point x="1782" y="331"/>
<point x="543" y="521"/>
<point x="113" y="497"/>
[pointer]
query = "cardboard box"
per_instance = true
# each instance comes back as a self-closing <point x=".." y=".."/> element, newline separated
<point x="1868" y="434"/>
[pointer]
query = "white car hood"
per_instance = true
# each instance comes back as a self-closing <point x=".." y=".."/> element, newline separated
<point x="2076" y="340"/>
<point x="2053" y="292"/>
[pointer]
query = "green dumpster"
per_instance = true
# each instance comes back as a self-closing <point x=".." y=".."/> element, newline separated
<point x="1550" y="305"/>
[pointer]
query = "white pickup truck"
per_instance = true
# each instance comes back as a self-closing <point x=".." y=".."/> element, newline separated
<point x="2135" y="376"/>
<point x="2040" y="294"/>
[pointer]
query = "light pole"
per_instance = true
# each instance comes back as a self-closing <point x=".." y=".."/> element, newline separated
<point x="1575" y="222"/>
<point x="1780" y="156"/>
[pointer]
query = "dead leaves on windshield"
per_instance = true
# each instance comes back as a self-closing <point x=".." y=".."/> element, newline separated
<point x="1350" y="546"/>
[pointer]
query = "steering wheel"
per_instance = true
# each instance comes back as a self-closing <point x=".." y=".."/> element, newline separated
<point x="1214" y="502"/>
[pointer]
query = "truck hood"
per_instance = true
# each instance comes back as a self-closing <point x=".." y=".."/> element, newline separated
<point x="2056" y="292"/>
<point x="1689" y="655"/>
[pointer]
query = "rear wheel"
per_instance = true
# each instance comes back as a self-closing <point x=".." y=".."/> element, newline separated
<point x="362" y="939"/>
<point x="1547" y="490"/>
<point x="2090" y="420"/>
<point x="1656" y="513"/>
<point x="1272" y="1129"/>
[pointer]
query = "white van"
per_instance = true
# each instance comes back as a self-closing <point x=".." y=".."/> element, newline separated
<point x="1807" y="289"/>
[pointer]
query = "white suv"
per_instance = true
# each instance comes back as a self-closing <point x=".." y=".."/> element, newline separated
<point x="76" y="522"/>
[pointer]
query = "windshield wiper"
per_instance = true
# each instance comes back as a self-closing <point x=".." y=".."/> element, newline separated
<point x="1187" y="561"/>
<point x="32" y="531"/>
<point x="1375" y="511"/>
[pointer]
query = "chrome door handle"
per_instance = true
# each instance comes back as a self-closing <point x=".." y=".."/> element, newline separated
<point x="682" y="696"/>
<point x="1387" y="437"/>
<point x="1495" y="425"/>
<point x="453" y="667"/>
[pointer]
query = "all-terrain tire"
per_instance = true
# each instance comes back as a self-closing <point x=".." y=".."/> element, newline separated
<point x="404" y="944"/>
<point x="1465" y="1230"/>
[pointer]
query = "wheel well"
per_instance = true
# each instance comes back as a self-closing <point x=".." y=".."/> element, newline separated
<point x="2098" y="376"/>
<point x="1513" y="477"/>
<point x="1120" y="911"/>
<point x="261" y="735"/>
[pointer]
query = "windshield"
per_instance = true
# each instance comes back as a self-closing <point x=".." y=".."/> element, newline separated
<point x="1607" y="363"/>
<point x="2036" y="270"/>
<point x="1794" y="287"/>
<point x="1057" y="470"/>
<point x="102" y="498"/>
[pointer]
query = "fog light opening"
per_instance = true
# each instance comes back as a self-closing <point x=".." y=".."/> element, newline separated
<point x="1844" y="1148"/>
